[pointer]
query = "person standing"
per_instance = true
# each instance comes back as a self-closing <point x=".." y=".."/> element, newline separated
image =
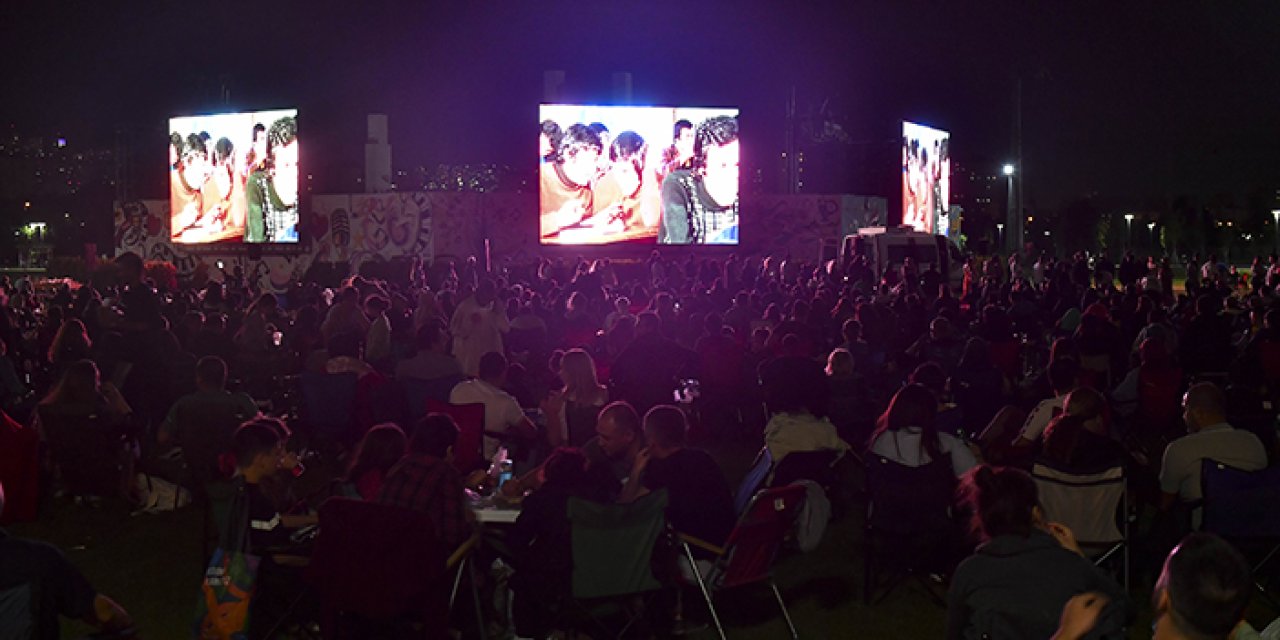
<point x="477" y="327"/>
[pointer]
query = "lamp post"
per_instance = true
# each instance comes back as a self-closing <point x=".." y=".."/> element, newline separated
<point x="1275" y="230"/>
<point x="1128" y="229"/>
<point x="1151" y="232"/>
<point x="1000" y="234"/>
<point x="1010" y="219"/>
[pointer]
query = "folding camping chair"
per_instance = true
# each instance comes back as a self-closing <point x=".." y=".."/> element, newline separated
<point x="613" y="547"/>
<point x="1240" y="506"/>
<point x="1090" y="505"/>
<point x="748" y="554"/>
<point x="383" y="564"/>
<point x="468" y="451"/>
<point x="908" y="521"/>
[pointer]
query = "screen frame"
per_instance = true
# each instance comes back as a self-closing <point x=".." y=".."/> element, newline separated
<point x="647" y="243"/>
<point x="232" y="247"/>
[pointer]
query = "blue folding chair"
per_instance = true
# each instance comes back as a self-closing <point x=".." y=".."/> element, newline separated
<point x="1241" y="507"/>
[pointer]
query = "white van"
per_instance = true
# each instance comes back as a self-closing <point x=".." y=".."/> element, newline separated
<point x="889" y="246"/>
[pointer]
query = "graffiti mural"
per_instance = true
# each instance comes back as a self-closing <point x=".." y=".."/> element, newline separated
<point x="360" y="228"/>
<point x="343" y="228"/>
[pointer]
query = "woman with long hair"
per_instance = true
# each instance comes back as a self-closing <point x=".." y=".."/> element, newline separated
<point x="380" y="449"/>
<point x="574" y="408"/>
<point x="69" y="345"/>
<point x="907" y="433"/>
<point x="81" y="392"/>
<point x="1025" y="570"/>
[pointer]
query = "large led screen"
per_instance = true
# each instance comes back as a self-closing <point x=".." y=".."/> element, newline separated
<point x="926" y="176"/>
<point x="638" y="174"/>
<point x="233" y="177"/>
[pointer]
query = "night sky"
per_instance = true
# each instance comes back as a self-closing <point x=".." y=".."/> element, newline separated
<point x="1134" y="100"/>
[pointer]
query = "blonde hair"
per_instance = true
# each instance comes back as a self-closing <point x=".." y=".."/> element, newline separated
<point x="579" y="372"/>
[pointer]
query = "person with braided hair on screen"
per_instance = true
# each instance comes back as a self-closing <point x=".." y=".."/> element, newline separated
<point x="272" y="190"/>
<point x="700" y="205"/>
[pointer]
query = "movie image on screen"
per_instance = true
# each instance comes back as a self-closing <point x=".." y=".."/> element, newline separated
<point x="926" y="176"/>
<point x="233" y="178"/>
<point x="642" y="175"/>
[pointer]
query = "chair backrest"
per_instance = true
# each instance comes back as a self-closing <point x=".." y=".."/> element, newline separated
<point x="329" y="401"/>
<point x="753" y="481"/>
<point x="379" y="561"/>
<point x="1269" y="354"/>
<point x="909" y="500"/>
<point x="753" y="544"/>
<point x="806" y="465"/>
<point x="1005" y="356"/>
<point x="1238" y="503"/>
<point x="418" y="391"/>
<point x="18" y="616"/>
<point x="19" y="470"/>
<point x="86" y="449"/>
<point x="1159" y="398"/>
<point x="613" y="545"/>
<point x="468" y="451"/>
<point x="1086" y="503"/>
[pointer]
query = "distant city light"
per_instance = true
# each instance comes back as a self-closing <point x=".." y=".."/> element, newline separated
<point x="62" y="142"/>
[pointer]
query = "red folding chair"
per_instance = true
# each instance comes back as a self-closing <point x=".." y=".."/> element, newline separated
<point x="19" y="470"/>
<point x="748" y="554"/>
<point x="382" y="563"/>
<point x="468" y="451"/>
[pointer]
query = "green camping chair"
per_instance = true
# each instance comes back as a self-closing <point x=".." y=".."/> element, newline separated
<point x="613" y="547"/>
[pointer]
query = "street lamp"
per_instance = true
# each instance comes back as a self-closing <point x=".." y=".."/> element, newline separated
<point x="1128" y="229"/>
<point x="1151" y="229"/>
<point x="1007" y="170"/>
<point x="1000" y="234"/>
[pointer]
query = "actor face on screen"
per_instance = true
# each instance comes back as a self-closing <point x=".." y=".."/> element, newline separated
<point x="602" y="181"/>
<point x="234" y="178"/>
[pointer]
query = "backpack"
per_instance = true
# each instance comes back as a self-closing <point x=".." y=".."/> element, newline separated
<point x="156" y="494"/>
<point x="815" y="513"/>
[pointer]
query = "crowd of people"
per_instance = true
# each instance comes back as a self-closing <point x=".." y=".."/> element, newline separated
<point x="601" y="378"/>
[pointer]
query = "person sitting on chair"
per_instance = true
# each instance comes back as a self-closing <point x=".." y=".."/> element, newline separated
<point x="502" y="414"/>
<point x="1019" y="578"/>
<point x="426" y="481"/>
<point x="432" y="361"/>
<point x="1204" y="409"/>
<point x="540" y="542"/>
<point x="38" y="584"/>
<point x="699" y="502"/>
<point x="210" y="398"/>
<point x="1202" y="594"/>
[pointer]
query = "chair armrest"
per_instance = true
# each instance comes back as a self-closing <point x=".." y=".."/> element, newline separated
<point x="462" y="550"/>
<point x="700" y="543"/>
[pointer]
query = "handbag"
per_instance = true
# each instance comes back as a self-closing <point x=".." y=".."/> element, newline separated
<point x="226" y="594"/>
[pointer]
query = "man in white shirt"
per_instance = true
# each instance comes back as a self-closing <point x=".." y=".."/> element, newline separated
<point x="477" y="327"/>
<point x="502" y="414"/>
<point x="1204" y="409"/>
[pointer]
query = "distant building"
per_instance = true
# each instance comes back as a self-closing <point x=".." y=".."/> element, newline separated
<point x="981" y="195"/>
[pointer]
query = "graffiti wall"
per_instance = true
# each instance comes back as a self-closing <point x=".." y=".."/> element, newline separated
<point x="340" y="228"/>
<point x="360" y="228"/>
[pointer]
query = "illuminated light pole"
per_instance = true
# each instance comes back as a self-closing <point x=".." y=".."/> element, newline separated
<point x="1128" y="229"/>
<point x="1000" y="234"/>
<point x="1151" y="229"/>
<point x="1007" y="170"/>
